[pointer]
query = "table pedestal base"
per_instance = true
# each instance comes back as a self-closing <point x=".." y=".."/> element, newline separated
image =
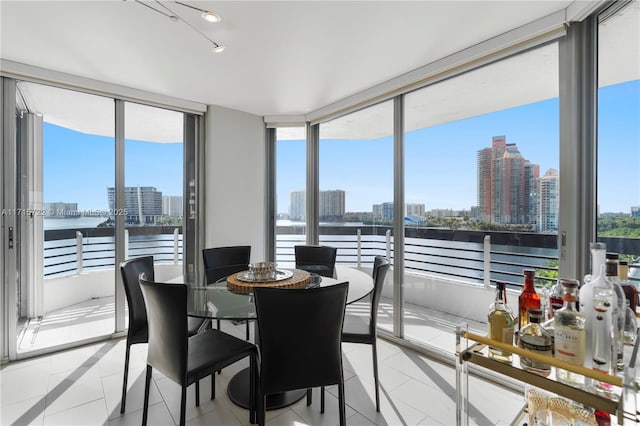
<point x="239" y="388"/>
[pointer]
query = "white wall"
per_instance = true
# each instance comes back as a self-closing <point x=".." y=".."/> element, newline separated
<point x="235" y="180"/>
<point x="61" y="292"/>
<point x="453" y="296"/>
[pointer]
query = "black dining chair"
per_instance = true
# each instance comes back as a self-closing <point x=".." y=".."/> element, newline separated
<point x="182" y="358"/>
<point x="363" y="329"/>
<point x="138" y="328"/>
<point x="220" y="262"/>
<point x="320" y="260"/>
<point x="300" y="332"/>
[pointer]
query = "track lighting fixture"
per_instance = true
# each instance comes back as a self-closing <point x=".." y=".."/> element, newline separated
<point x="207" y="15"/>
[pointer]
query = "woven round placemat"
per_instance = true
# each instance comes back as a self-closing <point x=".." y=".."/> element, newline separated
<point x="300" y="278"/>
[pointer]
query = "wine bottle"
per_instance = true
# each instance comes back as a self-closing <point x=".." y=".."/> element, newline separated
<point x="501" y="323"/>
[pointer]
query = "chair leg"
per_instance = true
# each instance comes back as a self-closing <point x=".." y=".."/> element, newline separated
<point x="322" y="399"/>
<point x="183" y="405"/>
<point x="309" y="396"/>
<point x="145" y="406"/>
<point x="124" y="380"/>
<point x="213" y="386"/>
<point x="252" y="388"/>
<point x="218" y="325"/>
<point x="197" y="393"/>
<point x="341" y="403"/>
<point x="247" y="339"/>
<point x="374" y="350"/>
<point x="261" y="409"/>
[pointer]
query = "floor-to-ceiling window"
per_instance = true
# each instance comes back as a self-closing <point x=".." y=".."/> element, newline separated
<point x="355" y="206"/>
<point x="618" y="170"/>
<point x="482" y="174"/>
<point x="153" y="191"/>
<point x="481" y="180"/>
<point x="291" y="181"/>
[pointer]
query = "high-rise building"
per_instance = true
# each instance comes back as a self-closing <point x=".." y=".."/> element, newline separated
<point x="549" y="195"/>
<point x="298" y="206"/>
<point x="143" y="204"/>
<point x="172" y="205"/>
<point x="413" y="209"/>
<point x="331" y="205"/>
<point x="532" y="177"/>
<point x="635" y="211"/>
<point x="507" y="184"/>
<point x="384" y="211"/>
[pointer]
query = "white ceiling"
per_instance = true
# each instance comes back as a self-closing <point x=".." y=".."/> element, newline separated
<point x="288" y="57"/>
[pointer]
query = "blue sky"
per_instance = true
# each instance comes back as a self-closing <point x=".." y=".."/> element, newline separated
<point x="78" y="168"/>
<point x="440" y="161"/>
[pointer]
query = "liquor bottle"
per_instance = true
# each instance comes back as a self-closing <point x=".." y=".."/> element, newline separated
<point x="598" y="251"/>
<point x="555" y="298"/>
<point x="501" y="323"/>
<point x="630" y="290"/>
<point x="569" y="334"/>
<point x="550" y="327"/>
<point x="602" y="418"/>
<point x="604" y="329"/>
<point x="619" y="311"/>
<point x="535" y="338"/>
<point x="528" y="299"/>
<point x="630" y="326"/>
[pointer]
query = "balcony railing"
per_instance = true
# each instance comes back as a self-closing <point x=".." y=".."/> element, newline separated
<point x="474" y="256"/>
<point x="70" y="251"/>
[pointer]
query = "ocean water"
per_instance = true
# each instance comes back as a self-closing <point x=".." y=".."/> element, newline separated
<point x="72" y="222"/>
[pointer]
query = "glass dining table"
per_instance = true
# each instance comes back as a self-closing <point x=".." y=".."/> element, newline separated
<point x="218" y="302"/>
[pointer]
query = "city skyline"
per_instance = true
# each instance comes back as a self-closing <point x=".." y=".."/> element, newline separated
<point x="79" y="167"/>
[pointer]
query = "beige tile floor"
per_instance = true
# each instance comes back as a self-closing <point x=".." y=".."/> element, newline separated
<point x="82" y="387"/>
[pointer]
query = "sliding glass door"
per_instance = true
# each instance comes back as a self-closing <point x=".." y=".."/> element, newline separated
<point x="69" y="164"/>
<point x="65" y="163"/>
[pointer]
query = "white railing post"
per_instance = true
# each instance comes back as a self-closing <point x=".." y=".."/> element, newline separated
<point x="126" y="244"/>
<point x="388" y="235"/>
<point x="175" y="246"/>
<point x="487" y="261"/>
<point x="78" y="252"/>
<point x="359" y="245"/>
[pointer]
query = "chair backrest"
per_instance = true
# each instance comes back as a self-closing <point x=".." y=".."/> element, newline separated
<point x="300" y="336"/>
<point x="131" y="271"/>
<point x="222" y="261"/>
<point x="317" y="259"/>
<point x="380" y="267"/>
<point x="168" y="336"/>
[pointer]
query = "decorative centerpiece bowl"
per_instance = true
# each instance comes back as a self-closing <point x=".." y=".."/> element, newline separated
<point x="263" y="270"/>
